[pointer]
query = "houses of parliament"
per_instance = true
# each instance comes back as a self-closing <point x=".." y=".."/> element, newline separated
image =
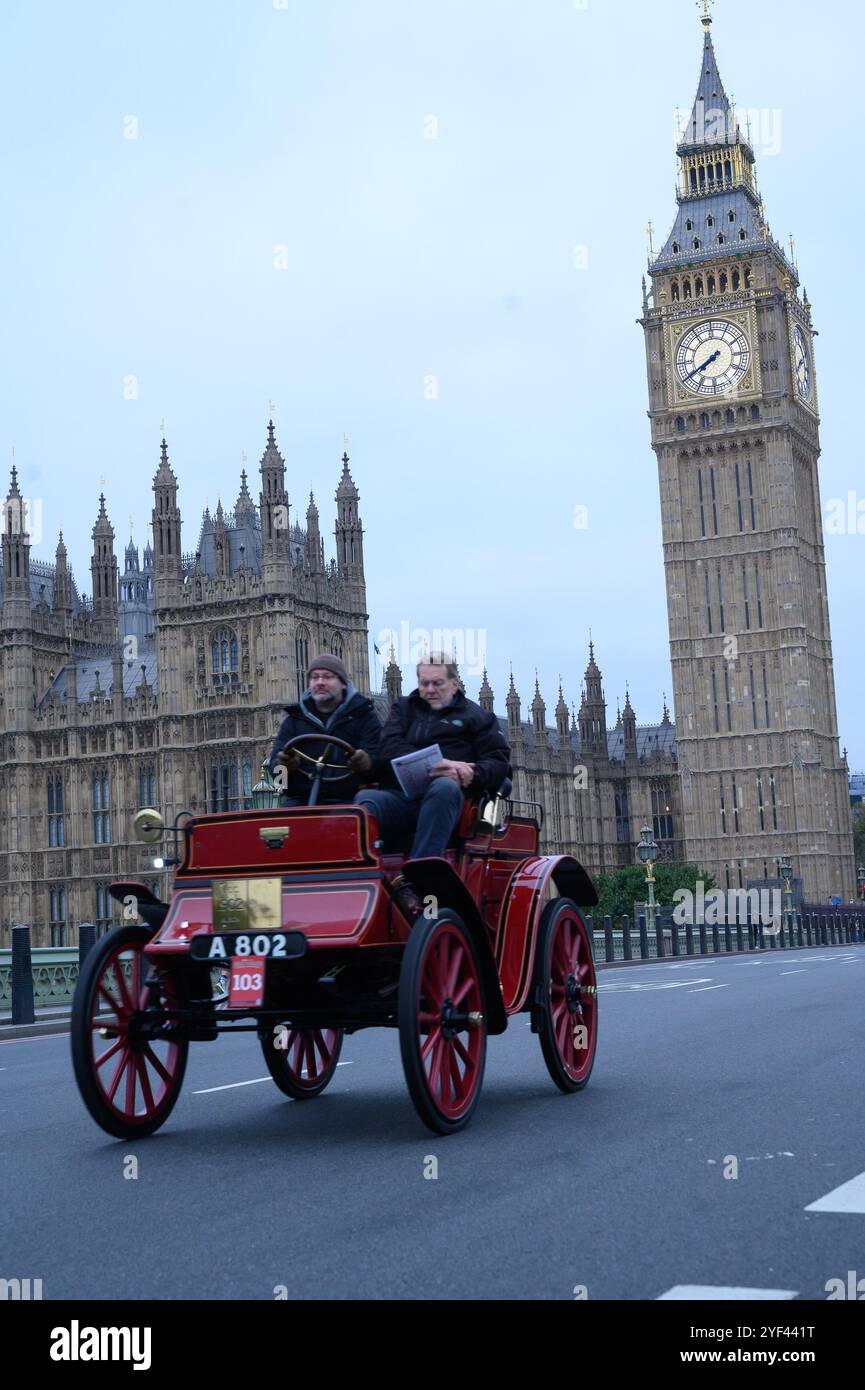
<point x="166" y="686"/>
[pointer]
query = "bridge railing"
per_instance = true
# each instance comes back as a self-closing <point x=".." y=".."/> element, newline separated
<point x="630" y="939"/>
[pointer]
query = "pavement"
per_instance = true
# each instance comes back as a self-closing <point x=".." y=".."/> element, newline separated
<point x="718" y="1148"/>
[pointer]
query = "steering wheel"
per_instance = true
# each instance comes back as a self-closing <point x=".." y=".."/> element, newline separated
<point x="320" y="766"/>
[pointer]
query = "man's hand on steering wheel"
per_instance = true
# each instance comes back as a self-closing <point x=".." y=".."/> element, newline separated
<point x="293" y="758"/>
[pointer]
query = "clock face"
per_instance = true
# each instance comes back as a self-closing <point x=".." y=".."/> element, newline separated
<point x="713" y="357"/>
<point x="801" y="364"/>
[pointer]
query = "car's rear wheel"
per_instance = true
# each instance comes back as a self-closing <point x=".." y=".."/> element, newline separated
<point x="442" y="1023"/>
<point x="129" y="1080"/>
<point x="302" y="1061"/>
<point x="565" y="1010"/>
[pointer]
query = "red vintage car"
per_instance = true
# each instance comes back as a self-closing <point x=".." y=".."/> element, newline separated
<point x="293" y="909"/>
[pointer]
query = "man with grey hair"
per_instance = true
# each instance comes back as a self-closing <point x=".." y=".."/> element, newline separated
<point x="475" y="759"/>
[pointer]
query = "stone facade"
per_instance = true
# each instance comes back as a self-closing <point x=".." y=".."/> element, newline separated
<point x="734" y="421"/>
<point x="165" y="689"/>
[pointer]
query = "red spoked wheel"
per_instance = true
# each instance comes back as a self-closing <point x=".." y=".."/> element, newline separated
<point x="442" y="1024"/>
<point x="129" y="1058"/>
<point x="302" y="1061"/>
<point x="565" y="1010"/>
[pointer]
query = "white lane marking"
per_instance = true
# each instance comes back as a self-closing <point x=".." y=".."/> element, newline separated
<point x="849" y="1197"/>
<point x="208" y="1090"/>
<point x="703" y="988"/>
<point x="712" y="1292"/>
<point x="794" y="972"/>
<point x="650" y="984"/>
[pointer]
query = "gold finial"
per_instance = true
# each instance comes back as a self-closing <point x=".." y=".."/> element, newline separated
<point x="162" y="426"/>
<point x="792" y="249"/>
<point x="346" y="441"/>
<point x="243" y="456"/>
<point x="706" y="16"/>
<point x="131" y="523"/>
<point x="271" y="408"/>
<point x="649" y="233"/>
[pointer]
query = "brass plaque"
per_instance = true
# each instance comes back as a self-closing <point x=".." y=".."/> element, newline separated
<point x="247" y="904"/>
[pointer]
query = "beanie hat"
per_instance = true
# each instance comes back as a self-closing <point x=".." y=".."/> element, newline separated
<point x="328" y="663"/>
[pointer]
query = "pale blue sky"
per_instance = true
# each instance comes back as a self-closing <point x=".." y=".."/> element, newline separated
<point x="408" y="257"/>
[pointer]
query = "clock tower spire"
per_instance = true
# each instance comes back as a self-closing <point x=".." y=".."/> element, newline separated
<point x="734" y="421"/>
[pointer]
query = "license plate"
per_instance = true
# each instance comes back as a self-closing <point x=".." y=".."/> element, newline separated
<point x="224" y="946"/>
<point x="247" y="981"/>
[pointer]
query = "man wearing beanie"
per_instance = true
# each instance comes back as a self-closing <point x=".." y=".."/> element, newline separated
<point x="332" y="705"/>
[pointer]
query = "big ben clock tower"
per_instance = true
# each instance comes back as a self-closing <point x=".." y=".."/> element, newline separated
<point x="734" y="419"/>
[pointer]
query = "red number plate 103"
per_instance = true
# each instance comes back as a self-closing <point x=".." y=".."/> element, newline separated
<point x="247" y="981"/>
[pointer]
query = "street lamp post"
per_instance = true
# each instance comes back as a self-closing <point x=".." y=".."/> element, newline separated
<point x="860" y="875"/>
<point x="787" y="875"/>
<point x="647" y="851"/>
<point x="266" y="792"/>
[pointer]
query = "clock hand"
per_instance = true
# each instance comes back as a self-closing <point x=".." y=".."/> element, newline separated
<point x="703" y="365"/>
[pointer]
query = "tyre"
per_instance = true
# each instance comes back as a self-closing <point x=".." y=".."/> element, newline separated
<point x="128" y="1080"/>
<point x="565" y="1010"/>
<point x="442" y="1022"/>
<point x="306" y="1064"/>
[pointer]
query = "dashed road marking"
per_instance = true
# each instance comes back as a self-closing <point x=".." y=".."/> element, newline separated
<point x="208" y="1090"/>
<point x="719" y="1292"/>
<point x="703" y="988"/>
<point x="794" y="972"/>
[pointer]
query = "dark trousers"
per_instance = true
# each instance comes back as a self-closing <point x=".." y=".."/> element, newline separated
<point x="433" y="817"/>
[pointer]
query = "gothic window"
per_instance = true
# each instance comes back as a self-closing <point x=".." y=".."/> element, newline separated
<point x="696" y="243"/>
<point x="721" y="238"/>
<point x="753" y="693"/>
<point x="728" y="170"/>
<point x="102" y="919"/>
<point x="675" y="248"/>
<point x="735" y="807"/>
<point x="730" y="416"/>
<point x="774" y="803"/>
<point x="702" y="507"/>
<point x="57" y="911"/>
<point x="301" y="658"/>
<point x="147" y="786"/>
<point x="751" y="497"/>
<point x="716" y="419"/>
<point x="755" y="412"/>
<point x="692" y="422"/>
<point x="715" y="701"/>
<point x="739" y="495"/>
<point x="731" y="216"/>
<point x="710" y="221"/>
<point x="680" y="424"/>
<point x="723" y="809"/>
<point x="723" y="282"/>
<point x="336" y="648"/>
<point x="714" y="504"/>
<point x="729" y="710"/>
<point x="686" y="289"/>
<point x="662" y="821"/>
<point x="56" y="836"/>
<point x="223" y="654"/>
<point x="694" y="180"/>
<point x="759" y="595"/>
<point x="747" y="604"/>
<point x="704" y="419"/>
<point x="623" y="822"/>
<point x="689" y="226"/>
<point x="760" y="805"/>
<point x="708" y="603"/>
<point x="747" y="277"/>
<point x="674" y="291"/>
<point x="766" y="694"/>
<point x="742" y="234"/>
<point x="710" y="285"/>
<point x="101" y="806"/>
<point x="698" y="288"/>
<point x="736" y="279"/>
